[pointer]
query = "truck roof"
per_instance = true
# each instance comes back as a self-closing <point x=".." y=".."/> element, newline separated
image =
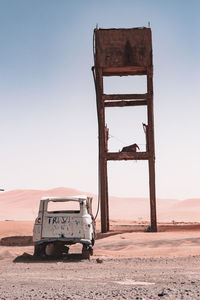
<point x="64" y="199"/>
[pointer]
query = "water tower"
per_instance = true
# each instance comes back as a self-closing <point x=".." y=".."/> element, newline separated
<point x="124" y="52"/>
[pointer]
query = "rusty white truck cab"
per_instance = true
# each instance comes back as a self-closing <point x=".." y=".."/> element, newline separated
<point x="56" y="229"/>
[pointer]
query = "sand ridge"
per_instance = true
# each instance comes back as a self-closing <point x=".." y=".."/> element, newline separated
<point x="24" y="204"/>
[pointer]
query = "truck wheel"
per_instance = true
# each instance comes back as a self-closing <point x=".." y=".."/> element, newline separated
<point x="39" y="250"/>
<point x="86" y="252"/>
<point x="91" y="250"/>
<point x="50" y="249"/>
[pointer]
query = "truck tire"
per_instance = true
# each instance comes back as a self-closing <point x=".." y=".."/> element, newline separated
<point x="86" y="252"/>
<point x="39" y="250"/>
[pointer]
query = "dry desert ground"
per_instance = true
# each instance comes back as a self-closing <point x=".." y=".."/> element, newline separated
<point x="127" y="264"/>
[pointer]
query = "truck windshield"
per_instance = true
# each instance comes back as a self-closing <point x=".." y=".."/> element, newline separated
<point x="60" y="207"/>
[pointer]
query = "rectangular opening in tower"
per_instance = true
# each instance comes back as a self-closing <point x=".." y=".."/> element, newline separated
<point x="126" y="127"/>
<point x="128" y="190"/>
<point x="125" y="85"/>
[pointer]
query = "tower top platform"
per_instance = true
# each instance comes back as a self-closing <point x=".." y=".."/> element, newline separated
<point x="118" y="48"/>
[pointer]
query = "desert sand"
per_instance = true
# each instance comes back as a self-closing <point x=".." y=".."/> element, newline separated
<point x="23" y="205"/>
<point x="128" y="263"/>
<point x="132" y="265"/>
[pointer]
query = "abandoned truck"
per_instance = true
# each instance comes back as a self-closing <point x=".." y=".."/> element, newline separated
<point x="54" y="230"/>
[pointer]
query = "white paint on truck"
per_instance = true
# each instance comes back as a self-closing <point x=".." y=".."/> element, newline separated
<point x="67" y="226"/>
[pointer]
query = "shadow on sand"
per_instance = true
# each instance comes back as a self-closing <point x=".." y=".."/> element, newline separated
<point x="28" y="258"/>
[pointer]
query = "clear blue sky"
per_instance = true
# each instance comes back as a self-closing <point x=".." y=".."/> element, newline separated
<point x="48" y="122"/>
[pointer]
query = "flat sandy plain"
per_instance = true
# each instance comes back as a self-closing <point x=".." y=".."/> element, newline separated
<point x="132" y="265"/>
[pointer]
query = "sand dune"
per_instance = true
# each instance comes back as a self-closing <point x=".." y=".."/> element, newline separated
<point x="15" y="228"/>
<point x="181" y="241"/>
<point x="187" y="210"/>
<point x="23" y="205"/>
<point x="188" y="204"/>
